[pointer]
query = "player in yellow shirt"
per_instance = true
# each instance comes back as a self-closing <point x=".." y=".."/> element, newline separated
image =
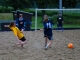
<point x="19" y="35"/>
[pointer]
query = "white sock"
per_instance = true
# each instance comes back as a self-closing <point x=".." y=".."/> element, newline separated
<point x="48" y="44"/>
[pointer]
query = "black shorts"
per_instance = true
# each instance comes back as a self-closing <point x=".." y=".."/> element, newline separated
<point x="59" y="25"/>
<point x="23" y="39"/>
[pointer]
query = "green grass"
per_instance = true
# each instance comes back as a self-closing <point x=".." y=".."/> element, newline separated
<point x="68" y="22"/>
<point x="6" y="16"/>
<point x="71" y="26"/>
<point x="40" y="25"/>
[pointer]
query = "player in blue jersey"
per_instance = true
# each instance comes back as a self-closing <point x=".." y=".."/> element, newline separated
<point x="21" y="23"/>
<point x="60" y="22"/>
<point x="47" y="23"/>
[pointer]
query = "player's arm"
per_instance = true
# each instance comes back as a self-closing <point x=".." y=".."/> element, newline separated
<point x="41" y="29"/>
<point x="52" y="22"/>
<point x="62" y="20"/>
<point x="16" y="22"/>
<point x="24" y="26"/>
<point x="57" y="20"/>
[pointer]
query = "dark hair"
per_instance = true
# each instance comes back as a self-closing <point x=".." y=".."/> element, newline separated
<point x="11" y="24"/>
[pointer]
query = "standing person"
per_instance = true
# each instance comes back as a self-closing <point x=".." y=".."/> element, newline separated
<point x="18" y="34"/>
<point x="21" y="23"/>
<point x="47" y="31"/>
<point x="60" y="22"/>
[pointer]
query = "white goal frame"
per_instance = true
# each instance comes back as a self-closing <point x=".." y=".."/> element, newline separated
<point x="36" y="10"/>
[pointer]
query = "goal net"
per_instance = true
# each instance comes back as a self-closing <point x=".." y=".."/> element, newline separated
<point x="71" y="17"/>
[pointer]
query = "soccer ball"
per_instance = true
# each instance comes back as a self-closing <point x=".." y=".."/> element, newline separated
<point x="70" y="45"/>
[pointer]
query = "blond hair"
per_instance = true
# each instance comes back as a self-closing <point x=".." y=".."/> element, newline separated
<point x="45" y="17"/>
<point x="20" y="15"/>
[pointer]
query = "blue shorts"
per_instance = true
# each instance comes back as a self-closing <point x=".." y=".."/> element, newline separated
<point x="49" y="37"/>
<point x="59" y="25"/>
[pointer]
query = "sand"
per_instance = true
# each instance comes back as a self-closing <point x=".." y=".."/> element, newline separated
<point x="34" y="49"/>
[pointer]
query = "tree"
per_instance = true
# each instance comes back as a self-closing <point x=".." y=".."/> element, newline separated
<point x="69" y="3"/>
<point x="20" y="4"/>
<point x="17" y="4"/>
<point x="44" y="4"/>
<point x="78" y="1"/>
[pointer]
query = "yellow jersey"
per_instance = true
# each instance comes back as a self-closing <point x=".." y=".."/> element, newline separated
<point x="17" y="32"/>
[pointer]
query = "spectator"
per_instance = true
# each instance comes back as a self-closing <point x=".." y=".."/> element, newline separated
<point x="60" y="22"/>
<point x="21" y="23"/>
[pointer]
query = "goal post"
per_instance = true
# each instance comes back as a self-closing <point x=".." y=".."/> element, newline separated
<point x="36" y="13"/>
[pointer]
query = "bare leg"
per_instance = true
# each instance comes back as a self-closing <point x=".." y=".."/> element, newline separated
<point x="22" y="30"/>
<point x="18" y="43"/>
<point x="48" y="45"/>
<point x="21" y="45"/>
<point x="23" y="42"/>
<point x="45" y="41"/>
<point x="50" y="42"/>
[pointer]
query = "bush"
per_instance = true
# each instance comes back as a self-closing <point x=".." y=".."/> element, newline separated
<point x="5" y="9"/>
<point x="73" y="15"/>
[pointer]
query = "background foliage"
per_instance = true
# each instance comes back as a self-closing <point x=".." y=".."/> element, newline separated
<point x="22" y="4"/>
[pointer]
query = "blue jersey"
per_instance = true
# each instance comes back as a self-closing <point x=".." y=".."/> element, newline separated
<point x="21" y="23"/>
<point x="59" y="20"/>
<point x="48" y="28"/>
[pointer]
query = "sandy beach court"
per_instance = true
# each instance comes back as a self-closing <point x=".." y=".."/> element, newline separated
<point x="34" y="49"/>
